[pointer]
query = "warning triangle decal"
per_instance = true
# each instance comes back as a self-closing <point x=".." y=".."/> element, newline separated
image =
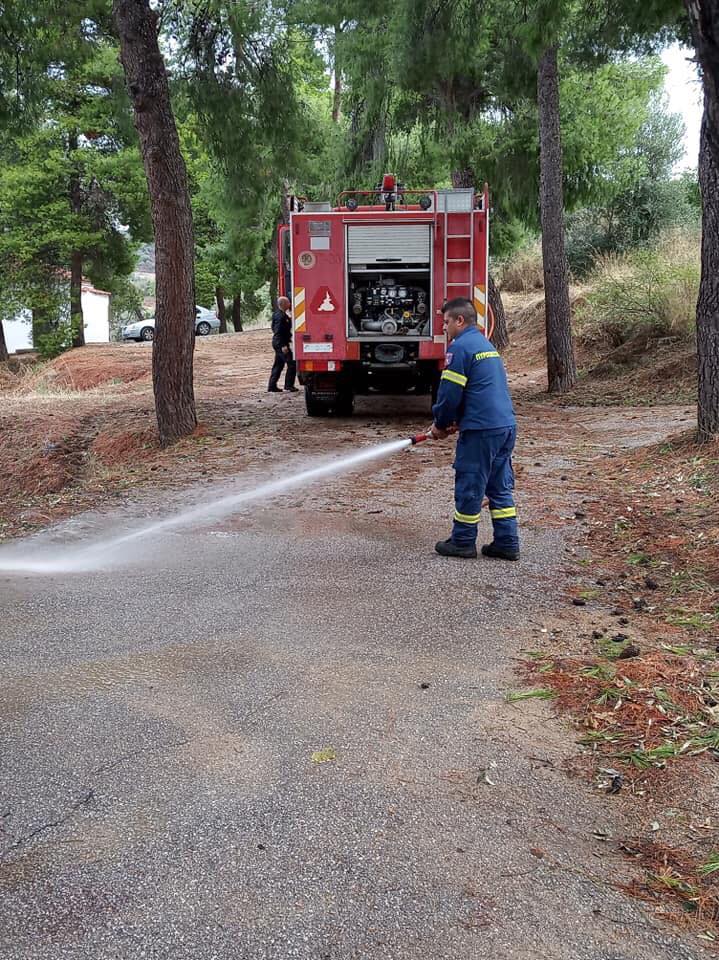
<point x="323" y="301"/>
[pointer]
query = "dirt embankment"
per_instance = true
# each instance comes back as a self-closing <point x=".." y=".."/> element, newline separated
<point x="81" y="428"/>
<point x="644" y="370"/>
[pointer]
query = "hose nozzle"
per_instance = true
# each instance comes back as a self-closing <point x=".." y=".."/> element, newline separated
<point x="418" y="438"/>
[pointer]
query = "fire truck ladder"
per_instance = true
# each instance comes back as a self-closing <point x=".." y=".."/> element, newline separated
<point x="451" y="287"/>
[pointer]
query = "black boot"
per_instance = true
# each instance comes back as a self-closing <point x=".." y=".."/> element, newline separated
<point x="499" y="553"/>
<point x="448" y="548"/>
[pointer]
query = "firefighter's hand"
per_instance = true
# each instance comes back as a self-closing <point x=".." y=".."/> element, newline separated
<point x="285" y="349"/>
<point x="437" y="433"/>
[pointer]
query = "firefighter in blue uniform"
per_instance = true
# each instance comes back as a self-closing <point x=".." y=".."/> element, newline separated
<point x="474" y="398"/>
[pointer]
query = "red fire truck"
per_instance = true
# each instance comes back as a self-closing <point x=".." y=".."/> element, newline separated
<point x="367" y="279"/>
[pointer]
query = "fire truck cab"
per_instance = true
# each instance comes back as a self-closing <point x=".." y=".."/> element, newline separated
<point x="367" y="278"/>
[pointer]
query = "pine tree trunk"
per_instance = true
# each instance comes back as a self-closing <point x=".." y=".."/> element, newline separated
<point x="237" y="312"/>
<point x="561" y="367"/>
<point x="704" y="20"/>
<point x="4" y="355"/>
<point x="337" y="98"/>
<point x="221" y="312"/>
<point x="708" y="303"/>
<point x="77" y="320"/>
<point x="462" y="178"/>
<point x="285" y="201"/>
<point x="137" y="26"/>
<point x="378" y="157"/>
<point x="337" y="94"/>
<point x="500" y="337"/>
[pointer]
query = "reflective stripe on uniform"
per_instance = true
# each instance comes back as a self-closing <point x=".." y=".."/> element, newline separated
<point x="453" y="377"/>
<point x="503" y="512"/>
<point x="467" y="517"/>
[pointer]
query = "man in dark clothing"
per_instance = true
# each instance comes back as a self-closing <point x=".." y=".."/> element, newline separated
<point x="281" y="343"/>
<point x="473" y="398"/>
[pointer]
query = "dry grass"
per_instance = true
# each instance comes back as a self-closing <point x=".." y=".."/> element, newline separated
<point x="682" y="889"/>
<point x="640" y="713"/>
<point x="526" y="321"/>
<point x="647" y="293"/>
<point x="647" y="369"/>
<point x="86" y="378"/>
<point x="524" y="272"/>
<point x="633" y="323"/>
<point x="664" y="526"/>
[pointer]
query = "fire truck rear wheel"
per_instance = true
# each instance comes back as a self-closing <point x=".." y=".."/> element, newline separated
<point x="315" y="407"/>
<point x="345" y="404"/>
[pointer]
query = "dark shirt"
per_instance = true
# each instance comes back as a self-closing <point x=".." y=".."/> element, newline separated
<point x="281" y="330"/>
<point x="473" y="391"/>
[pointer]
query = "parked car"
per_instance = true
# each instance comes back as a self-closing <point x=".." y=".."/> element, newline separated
<point x="205" y="322"/>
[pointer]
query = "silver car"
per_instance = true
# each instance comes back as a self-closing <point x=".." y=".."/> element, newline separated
<point x="205" y="322"/>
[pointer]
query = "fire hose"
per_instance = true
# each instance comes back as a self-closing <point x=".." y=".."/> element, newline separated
<point x="421" y="437"/>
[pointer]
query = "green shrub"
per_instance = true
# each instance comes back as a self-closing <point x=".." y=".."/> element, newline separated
<point x="651" y="291"/>
<point x="508" y="234"/>
<point x="126" y="304"/>
<point x="205" y="284"/>
<point x="635" y="218"/>
<point x="54" y="342"/>
<point x="256" y="306"/>
<point x="586" y="239"/>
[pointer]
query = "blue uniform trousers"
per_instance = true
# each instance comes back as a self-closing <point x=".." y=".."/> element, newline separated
<point x="483" y="465"/>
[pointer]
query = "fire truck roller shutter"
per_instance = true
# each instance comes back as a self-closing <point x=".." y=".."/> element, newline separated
<point x="408" y="243"/>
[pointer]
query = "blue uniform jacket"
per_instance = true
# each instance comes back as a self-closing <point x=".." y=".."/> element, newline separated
<point x="473" y="391"/>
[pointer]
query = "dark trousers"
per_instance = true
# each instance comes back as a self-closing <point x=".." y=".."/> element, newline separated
<point x="483" y="465"/>
<point x="280" y="360"/>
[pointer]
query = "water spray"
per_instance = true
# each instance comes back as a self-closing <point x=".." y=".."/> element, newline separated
<point x="54" y="558"/>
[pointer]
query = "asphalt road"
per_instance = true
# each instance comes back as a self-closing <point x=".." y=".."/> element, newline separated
<point x="159" y="794"/>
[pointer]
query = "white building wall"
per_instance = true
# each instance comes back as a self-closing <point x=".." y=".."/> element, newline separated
<point x="96" y="314"/>
<point x="18" y="332"/>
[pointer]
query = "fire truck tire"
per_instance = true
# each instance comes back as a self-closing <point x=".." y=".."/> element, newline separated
<point x="315" y="407"/>
<point x="345" y="404"/>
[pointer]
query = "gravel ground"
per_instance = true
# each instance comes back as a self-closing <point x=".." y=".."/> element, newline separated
<point x="159" y="720"/>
